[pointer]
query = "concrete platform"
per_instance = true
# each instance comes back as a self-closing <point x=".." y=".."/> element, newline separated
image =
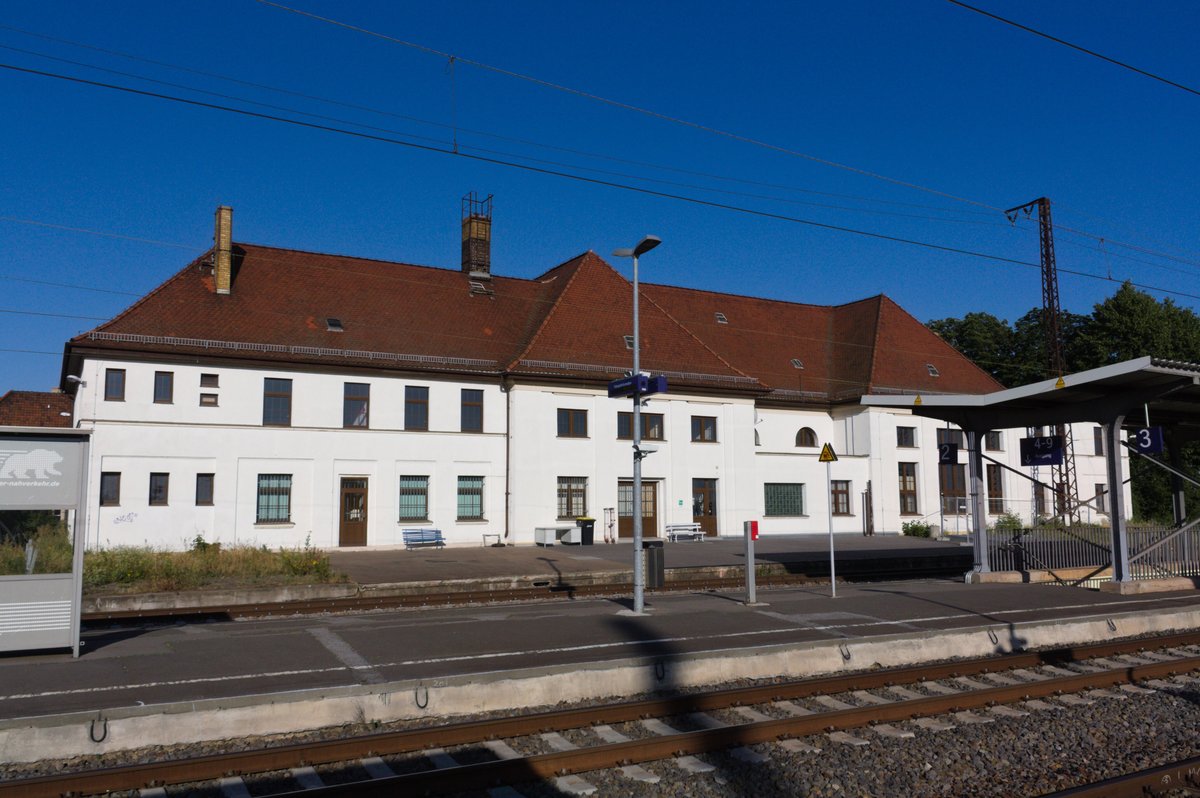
<point x="186" y="682"/>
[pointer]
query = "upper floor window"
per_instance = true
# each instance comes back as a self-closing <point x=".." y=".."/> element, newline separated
<point x="994" y="441"/>
<point x="704" y="428"/>
<point x="906" y="436"/>
<point x="210" y="381"/>
<point x="158" y="488"/>
<point x="807" y="438"/>
<point x="356" y="405"/>
<point x="277" y="402"/>
<point x="472" y="410"/>
<point x="114" y="385"/>
<point x="947" y="435"/>
<point x="572" y="423"/>
<point x="416" y="407"/>
<point x="164" y="387"/>
<point x="1098" y="441"/>
<point x="652" y="426"/>
<point x="110" y="488"/>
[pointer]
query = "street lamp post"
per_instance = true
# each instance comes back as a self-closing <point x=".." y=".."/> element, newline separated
<point x="639" y="577"/>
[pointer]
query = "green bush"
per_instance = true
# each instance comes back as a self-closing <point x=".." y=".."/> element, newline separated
<point x="916" y="529"/>
<point x="1009" y="522"/>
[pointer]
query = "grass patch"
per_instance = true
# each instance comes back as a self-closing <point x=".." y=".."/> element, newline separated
<point x="129" y="569"/>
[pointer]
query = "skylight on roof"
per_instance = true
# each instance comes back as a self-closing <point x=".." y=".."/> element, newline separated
<point x="797" y="363"/>
<point x="721" y="319"/>
<point x="334" y="325"/>
<point x="933" y="372"/>
<point x="629" y="342"/>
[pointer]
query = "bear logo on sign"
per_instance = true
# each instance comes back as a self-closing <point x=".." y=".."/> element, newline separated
<point x="19" y="464"/>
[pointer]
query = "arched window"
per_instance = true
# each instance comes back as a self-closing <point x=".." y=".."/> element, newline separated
<point x="807" y="438"/>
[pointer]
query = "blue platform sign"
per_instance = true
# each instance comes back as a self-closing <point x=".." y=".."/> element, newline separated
<point x="1046" y="450"/>
<point x="1147" y="441"/>
<point x="640" y="384"/>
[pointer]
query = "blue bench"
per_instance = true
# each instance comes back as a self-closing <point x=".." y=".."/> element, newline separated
<point x="423" y="537"/>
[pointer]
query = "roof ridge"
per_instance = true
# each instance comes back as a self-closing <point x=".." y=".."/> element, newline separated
<point x="580" y="259"/>
<point x="761" y="298"/>
<point x="941" y="340"/>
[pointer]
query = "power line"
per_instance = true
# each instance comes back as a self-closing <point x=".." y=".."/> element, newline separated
<point x="68" y="228"/>
<point x="627" y="106"/>
<point x="575" y="177"/>
<point x="54" y="315"/>
<point x="66" y="285"/>
<point x="1066" y="43"/>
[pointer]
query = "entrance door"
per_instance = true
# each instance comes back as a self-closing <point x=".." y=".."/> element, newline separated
<point x="704" y="505"/>
<point x="625" y="509"/>
<point x="352" y="531"/>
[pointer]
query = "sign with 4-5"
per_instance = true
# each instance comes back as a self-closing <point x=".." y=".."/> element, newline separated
<point x="1147" y="441"/>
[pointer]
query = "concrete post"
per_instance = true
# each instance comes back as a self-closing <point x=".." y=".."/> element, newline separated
<point x="1116" y="489"/>
<point x="978" y="499"/>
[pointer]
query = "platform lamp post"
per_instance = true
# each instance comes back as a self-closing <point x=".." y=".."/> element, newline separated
<point x="639" y="575"/>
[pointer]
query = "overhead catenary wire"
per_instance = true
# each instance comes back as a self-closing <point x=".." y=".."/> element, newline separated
<point x="579" y="178"/>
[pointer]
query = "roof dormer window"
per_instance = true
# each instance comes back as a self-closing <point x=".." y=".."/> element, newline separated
<point x="933" y="372"/>
<point x="629" y="342"/>
<point x="797" y="363"/>
<point x="334" y="325"/>
<point x="721" y="319"/>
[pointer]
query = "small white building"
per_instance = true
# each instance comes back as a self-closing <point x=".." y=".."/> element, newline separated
<point x="276" y="397"/>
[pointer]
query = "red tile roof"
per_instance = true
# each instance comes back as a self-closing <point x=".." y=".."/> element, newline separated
<point x="35" y="409"/>
<point x="570" y="323"/>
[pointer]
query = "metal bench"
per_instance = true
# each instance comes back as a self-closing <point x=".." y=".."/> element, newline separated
<point x="423" y="537"/>
<point x="677" y="532"/>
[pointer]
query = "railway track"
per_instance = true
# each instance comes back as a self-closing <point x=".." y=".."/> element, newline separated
<point x="554" y="746"/>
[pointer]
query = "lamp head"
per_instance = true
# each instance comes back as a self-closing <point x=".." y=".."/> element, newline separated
<point x="645" y="245"/>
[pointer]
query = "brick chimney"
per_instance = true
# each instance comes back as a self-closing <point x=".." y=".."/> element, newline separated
<point x="223" y="250"/>
<point x="477" y="237"/>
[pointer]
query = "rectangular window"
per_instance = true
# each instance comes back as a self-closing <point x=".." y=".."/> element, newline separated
<point x="704" y="428"/>
<point x="840" y="496"/>
<point x="947" y="435"/>
<point x="908" y="488"/>
<point x="356" y="405"/>
<point x="416" y="408"/>
<point x="906" y="437"/>
<point x="1101" y="490"/>
<point x="472" y="410"/>
<point x="208" y="400"/>
<point x="164" y="387"/>
<point x="210" y="381"/>
<point x="114" y="385"/>
<point x="953" y="480"/>
<point x="274" y="498"/>
<point x="158" y="488"/>
<point x="110" y="489"/>
<point x="204" y="489"/>
<point x="572" y="497"/>
<point x="994" y="441"/>
<point x="652" y="426"/>
<point x="414" y="498"/>
<point x="995" y="489"/>
<point x="783" y="499"/>
<point x="1098" y="441"/>
<point x="470" y="498"/>
<point x="572" y="423"/>
<point x="277" y="402"/>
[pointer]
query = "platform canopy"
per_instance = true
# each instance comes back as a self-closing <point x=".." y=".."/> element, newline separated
<point x="1168" y="390"/>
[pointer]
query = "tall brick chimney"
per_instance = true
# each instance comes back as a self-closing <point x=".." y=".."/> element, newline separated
<point x="223" y="250"/>
<point x="477" y="237"/>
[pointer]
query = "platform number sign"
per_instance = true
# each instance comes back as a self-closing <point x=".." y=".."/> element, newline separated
<point x="1045" y="450"/>
<point x="947" y="454"/>
<point x="1148" y="440"/>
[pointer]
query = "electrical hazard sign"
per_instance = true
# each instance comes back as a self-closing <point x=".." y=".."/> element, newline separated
<point x="827" y="455"/>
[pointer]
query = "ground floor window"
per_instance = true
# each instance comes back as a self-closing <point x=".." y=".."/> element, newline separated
<point x="1101" y="489"/>
<point x="783" y="499"/>
<point x="274" y="499"/>
<point x="995" y="489"/>
<point x="840" y="496"/>
<point x="953" y="480"/>
<point x="470" y="498"/>
<point x="908" y="489"/>
<point x="414" y="498"/>
<point x="572" y="497"/>
<point x="110" y="488"/>
<point x="204" y="488"/>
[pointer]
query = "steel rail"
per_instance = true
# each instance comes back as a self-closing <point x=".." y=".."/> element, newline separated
<point x="131" y="777"/>
<point x="1178" y="776"/>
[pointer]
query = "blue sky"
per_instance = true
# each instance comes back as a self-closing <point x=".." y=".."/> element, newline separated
<point x="924" y="93"/>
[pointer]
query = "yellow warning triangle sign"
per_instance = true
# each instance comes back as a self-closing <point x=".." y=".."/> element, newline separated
<point x="827" y="455"/>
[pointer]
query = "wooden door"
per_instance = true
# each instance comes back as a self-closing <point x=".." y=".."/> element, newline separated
<point x="625" y="509"/>
<point x="704" y="505"/>
<point x="352" y="529"/>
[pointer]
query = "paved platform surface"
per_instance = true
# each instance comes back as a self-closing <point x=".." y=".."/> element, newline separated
<point x="167" y="683"/>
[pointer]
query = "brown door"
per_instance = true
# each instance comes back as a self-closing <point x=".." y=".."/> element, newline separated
<point x="352" y="530"/>
<point x="704" y="505"/>
<point x="625" y="509"/>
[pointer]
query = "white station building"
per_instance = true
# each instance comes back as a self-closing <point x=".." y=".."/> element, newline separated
<point x="273" y="397"/>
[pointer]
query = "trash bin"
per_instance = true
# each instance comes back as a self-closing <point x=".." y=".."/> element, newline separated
<point x="587" y="530"/>
<point x="654" y="563"/>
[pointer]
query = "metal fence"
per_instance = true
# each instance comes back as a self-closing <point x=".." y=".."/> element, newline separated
<point x="1082" y="555"/>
